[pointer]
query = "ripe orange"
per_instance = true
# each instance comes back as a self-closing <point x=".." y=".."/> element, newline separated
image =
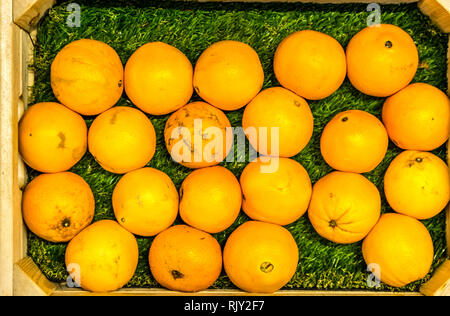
<point x="122" y="139"/>
<point x="417" y="184"/>
<point x="57" y="206"/>
<point x="198" y="135"/>
<point x="344" y="207"/>
<point x="354" y="141"/>
<point x="52" y="138"/>
<point x="260" y="257"/>
<point x="381" y="60"/>
<point x="228" y="74"/>
<point x="417" y="117"/>
<point x="401" y="248"/>
<point x="103" y="257"/>
<point x="158" y="78"/>
<point x="185" y="259"/>
<point x="145" y="201"/>
<point x="279" y="196"/>
<point x="310" y="63"/>
<point x="210" y="199"/>
<point x="87" y="76"/>
<point x="280" y="109"/>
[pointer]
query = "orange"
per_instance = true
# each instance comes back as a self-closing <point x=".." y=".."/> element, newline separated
<point x="198" y="135"/>
<point x="185" y="259"/>
<point x="381" y="60"/>
<point x="399" y="248"/>
<point x="228" y="74"/>
<point x="344" y="207"/>
<point x="279" y="194"/>
<point x="417" y="117"/>
<point x="417" y="184"/>
<point x="145" y="201"/>
<point x="278" y="122"/>
<point x="354" y="141"/>
<point x="211" y="199"/>
<point x="57" y="206"/>
<point x="310" y="63"/>
<point x="122" y="139"/>
<point x="158" y="78"/>
<point x="103" y="257"/>
<point x="52" y="138"/>
<point x="260" y="257"/>
<point x="87" y="76"/>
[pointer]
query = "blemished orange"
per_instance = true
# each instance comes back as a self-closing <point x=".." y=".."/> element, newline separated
<point x="381" y="60"/>
<point x="122" y="139"/>
<point x="158" y="78"/>
<point x="344" y="207"/>
<point x="210" y="199"/>
<point x="260" y="257"/>
<point x="228" y="74"/>
<point x="278" y="122"/>
<point x="198" y="135"/>
<point x="417" y="184"/>
<point x="103" y="257"/>
<point x="399" y="249"/>
<point x="275" y="190"/>
<point x="417" y="117"/>
<point x="310" y="63"/>
<point x="87" y="76"/>
<point x="354" y="141"/>
<point x="145" y="201"/>
<point x="57" y="206"/>
<point x="52" y="138"/>
<point x="183" y="258"/>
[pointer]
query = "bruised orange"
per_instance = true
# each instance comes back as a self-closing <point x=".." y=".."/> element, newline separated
<point x="381" y="60"/>
<point x="158" y="78"/>
<point x="198" y="135"/>
<point x="260" y="257"/>
<point x="354" y="141"/>
<point x="417" y="117"/>
<point x="57" y="206"/>
<point x="310" y="63"/>
<point x="278" y="122"/>
<point x="185" y="259"/>
<point x="228" y="74"/>
<point x="87" y="76"/>
<point x="52" y="138"/>
<point x="344" y="207"/>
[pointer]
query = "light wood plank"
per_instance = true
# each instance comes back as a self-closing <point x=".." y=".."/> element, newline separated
<point x="27" y="13"/>
<point x="438" y="11"/>
<point x="29" y="280"/>
<point x="439" y="284"/>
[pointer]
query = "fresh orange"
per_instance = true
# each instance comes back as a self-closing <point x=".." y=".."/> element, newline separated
<point x="122" y="139"/>
<point x="185" y="259"/>
<point x="158" y="78"/>
<point x="57" y="206"/>
<point x="416" y="183"/>
<point x="399" y="249"/>
<point x="145" y="201"/>
<point x="87" y="76"/>
<point x="344" y="207"/>
<point x="310" y="63"/>
<point x="381" y="60"/>
<point x="276" y="190"/>
<point x="103" y="257"/>
<point x="260" y="257"/>
<point x="228" y="74"/>
<point x="278" y="122"/>
<point x="52" y="138"/>
<point x="417" y="117"/>
<point x="354" y="141"/>
<point x="211" y="199"/>
<point x="198" y="135"/>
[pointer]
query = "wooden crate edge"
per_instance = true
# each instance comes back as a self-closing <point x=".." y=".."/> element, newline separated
<point x="27" y="13"/>
<point x="438" y="11"/>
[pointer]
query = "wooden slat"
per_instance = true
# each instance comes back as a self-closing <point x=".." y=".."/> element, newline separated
<point x="27" y="13"/>
<point x="438" y="11"/>
<point x="439" y="284"/>
<point x="29" y="280"/>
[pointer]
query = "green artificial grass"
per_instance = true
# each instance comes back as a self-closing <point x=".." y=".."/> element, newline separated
<point x="192" y="27"/>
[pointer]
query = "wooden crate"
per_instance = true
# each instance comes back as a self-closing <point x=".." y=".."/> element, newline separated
<point x="18" y="273"/>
